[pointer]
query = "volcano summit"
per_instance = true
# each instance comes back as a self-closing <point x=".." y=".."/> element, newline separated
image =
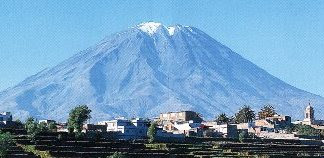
<point x="149" y="69"/>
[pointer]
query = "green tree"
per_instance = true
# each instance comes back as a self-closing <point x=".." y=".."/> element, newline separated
<point x="31" y="127"/>
<point x="5" y="142"/>
<point x="52" y="127"/>
<point x="245" y="114"/>
<point x="151" y="132"/>
<point x="42" y="127"/>
<point x="19" y="124"/>
<point x="28" y="122"/>
<point x="222" y="119"/>
<point x="266" y="111"/>
<point x="77" y="117"/>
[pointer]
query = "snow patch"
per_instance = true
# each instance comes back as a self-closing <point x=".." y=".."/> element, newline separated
<point x="171" y="30"/>
<point x="149" y="27"/>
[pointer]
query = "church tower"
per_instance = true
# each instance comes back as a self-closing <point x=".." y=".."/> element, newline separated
<point x="309" y="115"/>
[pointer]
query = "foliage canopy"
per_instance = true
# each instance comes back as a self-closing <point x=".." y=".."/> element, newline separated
<point x="77" y="117"/>
<point x="151" y="132"/>
<point x="266" y="111"/>
<point x="244" y="115"/>
<point x="222" y="119"/>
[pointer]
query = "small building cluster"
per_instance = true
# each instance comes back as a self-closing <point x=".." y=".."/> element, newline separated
<point x="187" y="124"/>
<point x="126" y="129"/>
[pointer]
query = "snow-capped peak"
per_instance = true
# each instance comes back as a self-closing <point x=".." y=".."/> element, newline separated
<point x="149" y="27"/>
<point x="152" y="27"/>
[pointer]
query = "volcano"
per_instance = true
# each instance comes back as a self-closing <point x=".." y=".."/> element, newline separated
<point x="149" y="69"/>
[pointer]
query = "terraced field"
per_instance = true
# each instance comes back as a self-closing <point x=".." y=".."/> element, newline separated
<point x="51" y="145"/>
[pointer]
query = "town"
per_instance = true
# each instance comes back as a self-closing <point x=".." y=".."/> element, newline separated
<point x="139" y="136"/>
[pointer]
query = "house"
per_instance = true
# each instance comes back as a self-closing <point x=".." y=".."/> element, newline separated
<point x="164" y="134"/>
<point x="5" y="116"/>
<point x="94" y="128"/>
<point x="62" y="127"/>
<point x="245" y="125"/>
<point x="180" y="116"/>
<point x="189" y="128"/>
<point x="47" y="121"/>
<point x="127" y="129"/>
<point x="226" y="130"/>
<point x="168" y="126"/>
<point x="275" y="122"/>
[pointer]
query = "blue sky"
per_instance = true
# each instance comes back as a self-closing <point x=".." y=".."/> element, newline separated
<point x="286" y="38"/>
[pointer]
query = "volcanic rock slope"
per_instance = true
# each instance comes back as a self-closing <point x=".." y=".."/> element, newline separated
<point x="149" y="69"/>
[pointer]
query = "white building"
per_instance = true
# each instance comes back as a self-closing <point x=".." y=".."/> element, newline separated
<point x="47" y="121"/>
<point x="309" y="118"/>
<point x="127" y="129"/>
<point x="226" y="130"/>
<point x="188" y="128"/>
<point x="5" y="116"/>
<point x="5" y="119"/>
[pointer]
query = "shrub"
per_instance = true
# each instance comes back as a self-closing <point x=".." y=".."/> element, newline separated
<point x="5" y="142"/>
<point x="306" y="130"/>
<point x="117" y="155"/>
<point x="159" y="146"/>
<point x="31" y="148"/>
<point x="242" y="136"/>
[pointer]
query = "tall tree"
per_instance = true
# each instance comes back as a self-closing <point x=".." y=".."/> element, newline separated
<point x="77" y="117"/>
<point x="151" y="132"/>
<point x="245" y="114"/>
<point x="32" y="127"/>
<point x="222" y="119"/>
<point x="266" y="111"/>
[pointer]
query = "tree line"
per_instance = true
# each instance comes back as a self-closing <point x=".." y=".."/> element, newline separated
<point x="246" y="114"/>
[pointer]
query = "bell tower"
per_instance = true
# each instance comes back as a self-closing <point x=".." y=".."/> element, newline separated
<point x="309" y="115"/>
